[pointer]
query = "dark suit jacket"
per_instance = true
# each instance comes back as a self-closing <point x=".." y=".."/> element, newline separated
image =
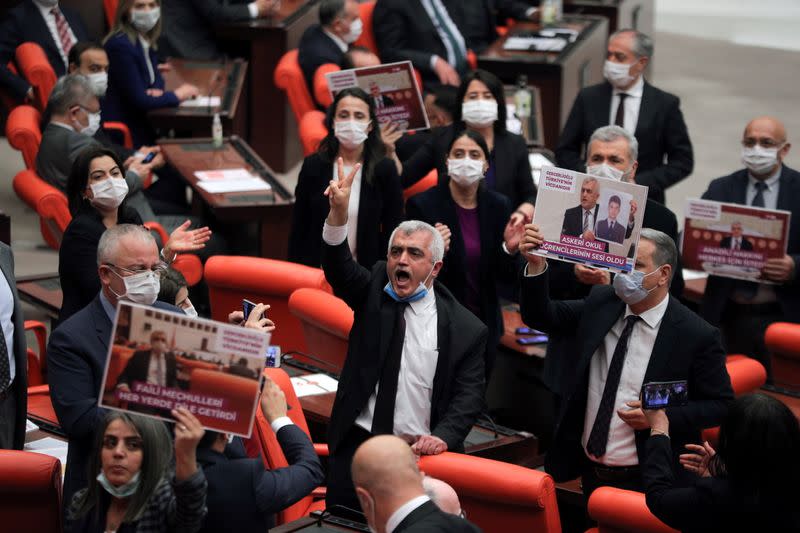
<point x="685" y="348"/>
<point x="573" y="220"/>
<point x="25" y="24"/>
<point x="316" y="49"/>
<point x="428" y="518"/>
<point x="458" y="385"/>
<point x="138" y="365"/>
<point x="244" y="496"/>
<point x="188" y="26"/>
<point x="710" y="504"/>
<point x="380" y="210"/>
<point x="733" y="189"/>
<point x="20" y="347"/>
<point x="404" y="31"/>
<point x="76" y="358"/>
<point x="604" y="231"/>
<point x="77" y="258"/>
<point x="128" y="80"/>
<point x="660" y="131"/>
<point x="437" y="205"/>
<point x="512" y="168"/>
<point x="727" y="242"/>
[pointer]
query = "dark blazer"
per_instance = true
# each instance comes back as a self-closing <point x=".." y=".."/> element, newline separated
<point x="437" y="205"/>
<point x="316" y="49"/>
<point x="458" y="386"/>
<point x="512" y="168"/>
<point x="733" y="189"/>
<point x="710" y="504"/>
<point x="25" y="24"/>
<point x="77" y="258"/>
<point x="727" y="242"/>
<point x="139" y="364"/>
<point x="428" y="517"/>
<point x="128" y="80"/>
<point x="685" y="348"/>
<point x="604" y="231"/>
<point x="573" y="220"/>
<point x="20" y="348"/>
<point x="76" y="358"/>
<point x="404" y="31"/>
<point x="660" y="131"/>
<point x="244" y="496"/>
<point x="188" y="26"/>
<point x="380" y="210"/>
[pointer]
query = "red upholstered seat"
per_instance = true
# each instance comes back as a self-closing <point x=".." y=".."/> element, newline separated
<point x="312" y="131"/>
<point x="24" y="133"/>
<point x="35" y="67"/>
<point x="498" y="496"/>
<point x="623" y="511"/>
<point x="110" y="9"/>
<point x="326" y="322"/>
<point x="40" y="405"/>
<point x="367" y="38"/>
<point x="30" y="492"/>
<point x="289" y="77"/>
<point x="50" y="204"/>
<point x="422" y="185"/>
<point x="783" y="342"/>
<point x="747" y="375"/>
<point x="37" y="360"/>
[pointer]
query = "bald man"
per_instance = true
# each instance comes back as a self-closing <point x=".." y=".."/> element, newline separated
<point x="443" y="495"/>
<point x="389" y="488"/>
<point x="743" y="310"/>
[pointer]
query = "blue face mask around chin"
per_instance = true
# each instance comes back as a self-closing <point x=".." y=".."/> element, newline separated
<point x="419" y="294"/>
<point x="123" y="491"/>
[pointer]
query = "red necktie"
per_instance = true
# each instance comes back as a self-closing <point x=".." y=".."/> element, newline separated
<point x="63" y="31"/>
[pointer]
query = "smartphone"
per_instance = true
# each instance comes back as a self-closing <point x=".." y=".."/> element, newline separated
<point x="536" y="339"/>
<point x="149" y="157"/>
<point x="273" y="357"/>
<point x="661" y="394"/>
<point x="528" y="331"/>
<point x="247" y="307"/>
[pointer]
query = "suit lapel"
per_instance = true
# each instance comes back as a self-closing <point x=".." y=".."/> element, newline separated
<point x="602" y="109"/>
<point x="665" y="343"/>
<point x="647" y="110"/>
<point x="443" y="346"/>
<point x="102" y="323"/>
<point x="786" y="189"/>
<point x="739" y="192"/>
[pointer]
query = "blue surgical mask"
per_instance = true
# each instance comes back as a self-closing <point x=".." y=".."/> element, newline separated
<point x="419" y="294"/>
<point x="123" y="491"/>
<point x="630" y="288"/>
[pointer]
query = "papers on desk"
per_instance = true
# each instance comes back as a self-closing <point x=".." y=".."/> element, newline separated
<point x="534" y="44"/>
<point x="30" y="427"/>
<point x="230" y="180"/>
<point x="202" y="101"/>
<point x="49" y="446"/>
<point x="312" y="384"/>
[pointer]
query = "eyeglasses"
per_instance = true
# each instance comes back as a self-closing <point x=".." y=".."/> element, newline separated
<point x="158" y="269"/>
<point x="764" y="143"/>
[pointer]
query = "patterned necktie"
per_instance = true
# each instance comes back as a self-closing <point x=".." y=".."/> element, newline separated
<point x="458" y="50"/>
<point x="63" y="31"/>
<point x="383" y="417"/>
<point x="5" y="366"/>
<point x="620" y="118"/>
<point x="585" y="221"/>
<point x="598" y="438"/>
<point x="758" y="199"/>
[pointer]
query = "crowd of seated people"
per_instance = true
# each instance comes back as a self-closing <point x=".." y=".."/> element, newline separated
<point x="425" y="277"/>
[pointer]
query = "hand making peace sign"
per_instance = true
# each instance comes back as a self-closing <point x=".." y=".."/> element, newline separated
<point x="338" y="193"/>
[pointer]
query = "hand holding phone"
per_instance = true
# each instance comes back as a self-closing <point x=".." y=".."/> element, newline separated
<point x="247" y="308"/>
<point x="663" y="394"/>
<point x="149" y="157"/>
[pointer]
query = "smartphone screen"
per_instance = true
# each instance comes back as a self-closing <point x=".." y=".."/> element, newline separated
<point x="149" y="157"/>
<point x="536" y="339"/>
<point x="661" y="394"/>
<point x="528" y="331"/>
<point x="273" y="357"/>
<point x="247" y="307"/>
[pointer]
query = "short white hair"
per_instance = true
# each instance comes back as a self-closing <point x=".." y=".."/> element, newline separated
<point x="412" y="226"/>
<point x="611" y="133"/>
<point x="109" y="241"/>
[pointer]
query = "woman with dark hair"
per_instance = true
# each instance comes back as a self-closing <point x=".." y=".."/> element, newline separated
<point x="482" y="109"/>
<point x="748" y="484"/>
<point x="96" y="191"/>
<point x="376" y="202"/>
<point x="136" y="489"/>
<point x="174" y="290"/>
<point x="480" y="241"/>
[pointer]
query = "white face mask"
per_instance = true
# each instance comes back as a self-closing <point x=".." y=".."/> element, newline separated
<point x="141" y="288"/>
<point x="109" y="193"/>
<point x="94" y="124"/>
<point x="356" y="27"/>
<point x="145" y="20"/>
<point x="123" y="491"/>
<point x="604" y="170"/>
<point x="351" y="133"/>
<point x="759" y="160"/>
<point x="465" y="171"/>
<point x="617" y="74"/>
<point x="99" y="81"/>
<point x="479" y="113"/>
<point x="190" y="311"/>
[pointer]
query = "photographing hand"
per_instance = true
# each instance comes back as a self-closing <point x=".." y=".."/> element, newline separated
<point x="256" y="319"/>
<point x="273" y="401"/>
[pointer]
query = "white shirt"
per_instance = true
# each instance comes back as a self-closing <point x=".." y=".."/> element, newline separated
<point x="335" y="38"/>
<point x="157" y="370"/>
<point x="146" y="50"/>
<point x="50" y="20"/>
<point x="412" y="408"/>
<point x="452" y="53"/>
<point x="403" y="511"/>
<point x="621" y="447"/>
<point x="632" y="104"/>
<point x="7" y="322"/>
<point x="352" y="208"/>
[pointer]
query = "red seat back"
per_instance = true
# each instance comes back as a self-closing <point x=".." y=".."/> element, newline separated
<point x="49" y="203"/>
<point x="326" y="323"/>
<point x="367" y="38"/>
<point x="37" y="360"/>
<point x="312" y="131"/>
<point x="289" y="77"/>
<point x="110" y="8"/>
<point x="623" y="511"/>
<point x="24" y="133"/>
<point x="783" y="342"/>
<point x="321" y="92"/>
<point x="30" y="492"/>
<point x="430" y="180"/>
<point x="36" y="68"/>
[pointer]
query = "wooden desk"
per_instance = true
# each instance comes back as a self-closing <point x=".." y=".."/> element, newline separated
<point x="272" y="210"/>
<point x="212" y="78"/>
<point x="42" y="291"/>
<point x="271" y="128"/>
<point x="5" y="228"/>
<point x="558" y="75"/>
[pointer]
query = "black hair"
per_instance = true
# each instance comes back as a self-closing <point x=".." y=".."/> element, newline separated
<point x="475" y="136"/>
<point x="329" y="10"/>
<point x="374" y="150"/>
<point x="615" y="200"/>
<point x="74" y="57"/>
<point x="494" y="85"/>
<point x="446" y="97"/>
<point x="759" y="426"/>
<point x="172" y="281"/>
<point x="79" y="177"/>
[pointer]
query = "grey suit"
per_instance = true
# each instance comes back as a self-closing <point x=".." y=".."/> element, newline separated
<point x="20" y="385"/>
<point x="189" y="26"/>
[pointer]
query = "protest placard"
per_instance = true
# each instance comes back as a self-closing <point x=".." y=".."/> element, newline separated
<point x="393" y="89"/>
<point x="589" y="220"/>
<point x="732" y="240"/>
<point x="159" y="360"/>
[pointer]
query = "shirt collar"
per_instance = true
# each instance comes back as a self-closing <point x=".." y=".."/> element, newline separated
<point x="652" y="317"/>
<point x="110" y="310"/>
<point x="423" y="303"/>
<point x="770" y="181"/>
<point x="335" y="38"/>
<point x="403" y="511"/>
<point x="45" y="10"/>
<point x="635" y="91"/>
